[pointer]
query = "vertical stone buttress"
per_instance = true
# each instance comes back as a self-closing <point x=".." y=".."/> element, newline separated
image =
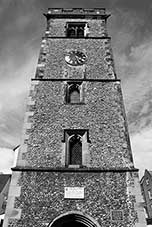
<point x="104" y="177"/>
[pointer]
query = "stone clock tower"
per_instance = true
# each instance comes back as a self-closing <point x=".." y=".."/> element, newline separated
<point x="75" y="163"/>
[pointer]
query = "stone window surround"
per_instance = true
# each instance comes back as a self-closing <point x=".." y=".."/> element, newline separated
<point x="84" y="134"/>
<point x="80" y="86"/>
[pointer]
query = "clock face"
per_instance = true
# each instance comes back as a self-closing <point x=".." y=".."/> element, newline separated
<point x="75" y="58"/>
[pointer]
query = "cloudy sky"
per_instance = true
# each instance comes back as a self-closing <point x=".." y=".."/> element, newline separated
<point x="22" y="25"/>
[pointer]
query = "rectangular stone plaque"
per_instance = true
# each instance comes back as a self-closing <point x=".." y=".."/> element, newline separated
<point x="74" y="192"/>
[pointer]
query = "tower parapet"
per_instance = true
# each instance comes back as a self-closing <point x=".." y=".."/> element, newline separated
<point x="96" y="13"/>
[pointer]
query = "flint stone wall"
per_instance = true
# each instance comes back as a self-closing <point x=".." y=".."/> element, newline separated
<point x="99" y="63"/>
<point x="57" y="27"/>
<point x="42" y="198"/>
<point x="102" y="113"/>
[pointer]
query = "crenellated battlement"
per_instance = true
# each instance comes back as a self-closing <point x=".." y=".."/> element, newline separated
<point x="77" y="12"/>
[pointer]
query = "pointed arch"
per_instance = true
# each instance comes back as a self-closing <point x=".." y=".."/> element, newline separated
<point x="74" y="93"/>
<point x="75" y="150"/>
<point x="80" y="32"/>
<point x="75" y="29"/>
<point x="71" y="32"/>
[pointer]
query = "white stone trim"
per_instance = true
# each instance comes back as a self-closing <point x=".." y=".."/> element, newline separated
<point x="23" y="148"/>
<point x="134" y="189"/>
<point x="40" y="65"/>
<point x="30" y="101"/>
<point x="14" y="190"/>
<point x="47" y="32"/>
<point x="43" y="40"/>
<point x="34" y="82"/>
<point x="27" y="115"/>
<point x="27" y="125"/>
<point x="15" y="178"/>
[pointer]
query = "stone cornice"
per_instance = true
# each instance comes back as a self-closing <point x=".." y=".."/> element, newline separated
<point x="76" y="80"/>
<point x="94" y="13"/>
<point x="66" y="169"/>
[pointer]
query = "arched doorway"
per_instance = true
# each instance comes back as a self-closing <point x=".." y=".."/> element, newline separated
<point x="73" y="220"/>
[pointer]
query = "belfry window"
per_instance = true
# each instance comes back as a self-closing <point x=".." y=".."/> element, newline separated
<point x="76" y="30"/>
<point x="73" y="93"/>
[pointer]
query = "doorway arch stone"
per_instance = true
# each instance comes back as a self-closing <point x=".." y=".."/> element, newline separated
<point x="74" y="219"/>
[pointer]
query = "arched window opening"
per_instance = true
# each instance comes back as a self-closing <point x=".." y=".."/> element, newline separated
<point x="75" y="150"/>
<point x="80" y="32"/>
<point x="75" y="29"/>
<point x="74" y="94"/>
<point x="71" y="32"/>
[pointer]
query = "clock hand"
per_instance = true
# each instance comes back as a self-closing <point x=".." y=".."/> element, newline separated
<point x="76" y="57"/>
